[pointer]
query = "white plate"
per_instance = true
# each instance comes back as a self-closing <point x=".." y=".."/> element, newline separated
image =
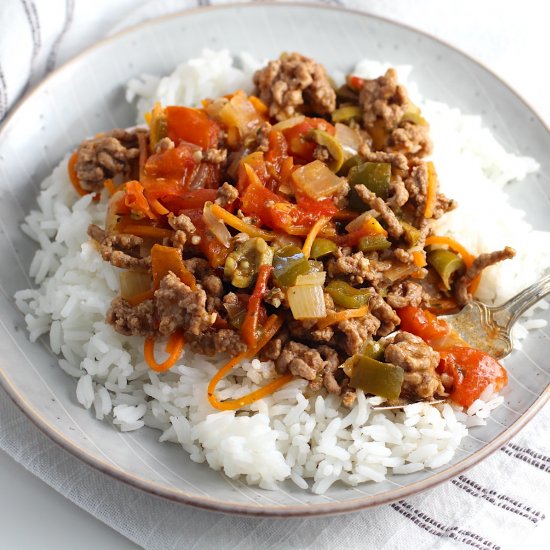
<point x="87" y="96"/>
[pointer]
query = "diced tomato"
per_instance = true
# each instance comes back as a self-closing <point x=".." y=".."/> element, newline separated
<point x="193" y="126"/>
<point x="355" y="82"/>
<point x="422" y="323"/>
<point x="177" y="163"/>
<point x="472" y="371"/>
<point x="257" y="201"/>
<point x="312" y="209"/>
<point x="190" y="199"/>
<point x="299" y="146"/>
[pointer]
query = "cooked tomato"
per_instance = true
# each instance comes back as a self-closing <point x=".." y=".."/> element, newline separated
<point x="193" y="126"/>
<point x="472" y="371"/>
<point x="177" y="163"/>
<point x="299" y="146"/>
<point x="422" y="323"/>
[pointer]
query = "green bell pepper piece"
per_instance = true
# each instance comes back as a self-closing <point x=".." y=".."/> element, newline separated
<point x="348" y="112"/>
<point x="322" y="247"/>
<point x="370" y="243"/>
<point x="355" y="160"/>
<point x="374" y="176"/>
<point x="446" y="263"/>
<point x="288" y="263"/>
<point x="377" y="378"/>
<point x="345" y="295"/>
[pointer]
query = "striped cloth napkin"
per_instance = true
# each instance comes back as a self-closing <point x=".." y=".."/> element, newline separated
<point x="495" y="505"/>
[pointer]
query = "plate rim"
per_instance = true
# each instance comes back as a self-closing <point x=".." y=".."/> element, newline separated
<point x="227" y="506"/>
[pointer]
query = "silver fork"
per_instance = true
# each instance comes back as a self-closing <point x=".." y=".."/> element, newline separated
<point x="488" y="328"/>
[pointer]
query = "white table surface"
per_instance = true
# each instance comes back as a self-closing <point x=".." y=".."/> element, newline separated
<point x="34" y="516"/>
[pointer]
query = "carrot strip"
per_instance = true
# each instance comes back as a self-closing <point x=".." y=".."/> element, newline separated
<point x="418" y="258"/>
<point x="239" y="225"/>
<point x="249" y="328"/>
<point x="271" y="328"/>
<point x="142" y="143"/>
<point x="136" y="200"/>
<point x="431" y="192"/>
<point x="174" y="347"/>
<point x="147" y="231"/>
<point x="141" y="297"/>
<point x="342" y="316"/>
<point x="157" y="207"/>
<point x="313" y="232"/>
<point x="165" y="259"/>
<point x="260" y="107"/>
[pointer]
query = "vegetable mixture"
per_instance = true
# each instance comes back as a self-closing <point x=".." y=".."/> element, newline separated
<point x="293" y="225"/>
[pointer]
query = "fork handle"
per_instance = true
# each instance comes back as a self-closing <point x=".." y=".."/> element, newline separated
<point x="509" y="312"/>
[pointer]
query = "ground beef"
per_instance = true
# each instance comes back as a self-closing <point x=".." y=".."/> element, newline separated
<point x="332" y="362"/>
<point x="180" y="308"/>
<point x="199" y="267"/>
<point x="104" y="157"/>
<point x="403" y="256"/>
<point x="215" y="156"/>
<point x="356" y="267"/>
<point x="383" y="101"/>
<point x="133" y="321"/>
<point x="480" y="263"/>
<point x="226" y="194"/>
<point x="394" y="226"/>
<point x="419" y="362"/>
<point x="165" y="144"/>
<point x="293" y="84"/>
<point x="121" y="250"/>
<point x="212" y="285"/>
<point x="299" y="360"/>
<point x="397" y="160"/>
<point x="385" y="314"/>
<point x="181" y="223"/>
<point x="398" y="194"/>
<point x="349" y="396"/>
<point x="442" y="206"/>
<point x="307" y="330"/>
<point x="417" y="186"/>
<point x="211" y="342"/>
<point x="355" y="332"/>
<point x="405" y="294"/>
<point x="411" y="139"/>
<point x="274" y="347"/>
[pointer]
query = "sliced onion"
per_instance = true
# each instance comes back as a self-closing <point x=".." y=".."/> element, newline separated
<point x="317" y="181"/>
<point x="133" y="283"/>
<point x="216" y="226"/>
<point x="111" y="217"/>
<point x="240" y="113"/>
<point x="288" y="123"/>
<point x="348" y="138"/>
<point x="357" y="223"/>
<point x="307" y="302"/>
<point x="316" y="278"/>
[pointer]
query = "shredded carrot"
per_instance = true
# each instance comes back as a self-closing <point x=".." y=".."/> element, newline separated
<point x="431" y="192"/>
<point x="157" y="207"/>
<point x="342" y="316"/>
<point x="260" y="107"/>
<point x="74" y="177"/>
<point x="313" y="232"/>
<point x="174" y="347"/>
<point x="418" y="258"/>
<point x="458" y="248"/>
<point x="273" y="324"/>
<point x="110" y="186"/>
<point x="136" y="201"/>
<point x="165" y="259"/>
<point x="147" y="231"/>
<point x="240" y="225"/>
<point x="141" y="297"/>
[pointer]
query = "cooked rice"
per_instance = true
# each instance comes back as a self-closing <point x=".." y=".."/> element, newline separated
<point x="310" y="440"/>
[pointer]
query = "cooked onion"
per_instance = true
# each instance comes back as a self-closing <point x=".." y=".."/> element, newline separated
<point x="316" y="278"/>
<point x="317" y="181"/>
<point x="307" y="302"/>
<point x="133" y="283"/>
<point x="216" y="226"/>
<point x="288" y="123"/>
<point x="348" y="138"/>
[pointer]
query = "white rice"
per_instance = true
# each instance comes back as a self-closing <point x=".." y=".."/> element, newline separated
<point x="308" y="439"/>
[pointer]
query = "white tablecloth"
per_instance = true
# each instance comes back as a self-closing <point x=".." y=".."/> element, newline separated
<point x="494" y="505"/>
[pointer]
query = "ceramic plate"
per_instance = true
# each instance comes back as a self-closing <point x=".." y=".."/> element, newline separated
<point x="87" y="96"/>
